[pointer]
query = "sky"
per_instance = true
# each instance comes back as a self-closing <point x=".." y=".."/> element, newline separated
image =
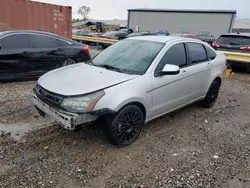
<point x="117" y="9"/>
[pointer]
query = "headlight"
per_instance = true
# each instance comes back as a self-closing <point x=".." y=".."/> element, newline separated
<point x="82" y="104"/>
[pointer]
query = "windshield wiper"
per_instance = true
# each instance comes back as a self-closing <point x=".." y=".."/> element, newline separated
<point x="110" y="67"/>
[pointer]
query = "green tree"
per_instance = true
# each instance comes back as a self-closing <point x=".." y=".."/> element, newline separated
<point x="84" y="12"/>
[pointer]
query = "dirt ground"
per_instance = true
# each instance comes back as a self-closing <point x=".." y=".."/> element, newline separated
<point x="192" y="147"/>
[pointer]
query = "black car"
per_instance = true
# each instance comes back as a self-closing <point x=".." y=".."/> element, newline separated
<point x="30" y="54"/>
<point x="114" y="35"/>
<point x="234" y="42"/>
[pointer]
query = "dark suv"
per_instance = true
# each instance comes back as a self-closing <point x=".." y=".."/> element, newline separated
<point x="235" y="42"/>
<point x="30" y="54"/>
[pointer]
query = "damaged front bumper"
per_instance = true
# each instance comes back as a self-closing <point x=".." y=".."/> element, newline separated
<point x="66" y="119"/>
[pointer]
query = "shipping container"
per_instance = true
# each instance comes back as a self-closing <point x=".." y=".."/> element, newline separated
<point x="29" y="15"/>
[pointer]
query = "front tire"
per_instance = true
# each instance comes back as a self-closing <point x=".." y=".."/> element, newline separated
<point x="125" y="127"/>
<point x="212" y="95"/>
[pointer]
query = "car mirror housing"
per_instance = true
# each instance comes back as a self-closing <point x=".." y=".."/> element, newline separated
<point x="169" y="69"/>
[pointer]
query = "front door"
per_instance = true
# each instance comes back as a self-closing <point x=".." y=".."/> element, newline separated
<point x="171" y="91"/>
<point x="15" y="57"/>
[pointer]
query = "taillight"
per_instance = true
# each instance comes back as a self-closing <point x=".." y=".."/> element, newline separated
<point x="107" y="37"/>
<point x="246" y="48"/>
<point x="86" y="49"/>
<point x="214" y="45"/>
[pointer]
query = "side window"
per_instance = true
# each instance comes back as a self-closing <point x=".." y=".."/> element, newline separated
<point x="197" y="52"/>
<point x="62" y="43"/>
<point x="42" y="41"/>
<point x="176" y="55"/>
<point x="210" y="53"/>
<point x="15" y="41"/>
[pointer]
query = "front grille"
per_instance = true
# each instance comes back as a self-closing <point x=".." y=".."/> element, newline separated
<point x="47" y="96"/>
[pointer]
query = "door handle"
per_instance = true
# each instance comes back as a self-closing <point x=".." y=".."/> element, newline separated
<point x="60" y="49"/>
<point x="184" y="72"/>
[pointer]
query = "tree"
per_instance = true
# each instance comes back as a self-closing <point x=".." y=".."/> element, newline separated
<point x="84" y="12"/>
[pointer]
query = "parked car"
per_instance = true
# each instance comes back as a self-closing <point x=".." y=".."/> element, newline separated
<point x="206" y="36"/>
<point x="140" y="34"/>
<point x="126" y="30"/>
<point x="115" y="35"/>
<point x="94" y="34"/>
<point x="132" y="82"/>
<point x="162" y="33"/>
<point x="234" y="42"/>
<point x="193" y="36"/>
<point x="179" y="33"/>
<point x="30" y="54"/>
<point x="82" y="32"/>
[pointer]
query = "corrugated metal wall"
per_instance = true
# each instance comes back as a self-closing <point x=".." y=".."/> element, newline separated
<point x="28" y="15"/>
<point x="216" y="23"/>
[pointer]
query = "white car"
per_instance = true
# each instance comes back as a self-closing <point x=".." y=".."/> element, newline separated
<point x="131" y="83"/>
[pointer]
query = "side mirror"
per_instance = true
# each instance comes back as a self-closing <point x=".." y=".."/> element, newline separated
<point x="169" y="69"/>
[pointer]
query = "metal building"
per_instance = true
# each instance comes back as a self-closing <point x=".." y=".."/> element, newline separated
<point x="193" y="21"/>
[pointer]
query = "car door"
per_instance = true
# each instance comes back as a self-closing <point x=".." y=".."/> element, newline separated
<point x="171" y="91"/>
<point x="15" y="57"/>
<point x="46" y="53"/>
<point x="199" y="70"/>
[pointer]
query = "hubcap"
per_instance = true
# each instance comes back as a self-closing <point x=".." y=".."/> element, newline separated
<point x="129" y="126"/>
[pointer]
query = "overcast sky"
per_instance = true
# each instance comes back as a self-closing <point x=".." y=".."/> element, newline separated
<point x="110" y="9"/>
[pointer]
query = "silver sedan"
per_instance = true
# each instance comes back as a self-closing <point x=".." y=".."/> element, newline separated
<point x="131" y="83"/>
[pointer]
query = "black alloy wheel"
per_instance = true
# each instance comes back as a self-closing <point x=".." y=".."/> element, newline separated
<point x="212" y="95"/>
<point x="125" y="127"/>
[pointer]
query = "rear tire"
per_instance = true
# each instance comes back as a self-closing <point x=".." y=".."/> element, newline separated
<point x="125" y="127"/>
<point x="212" y="95"/>
<point x="68" y="62"/>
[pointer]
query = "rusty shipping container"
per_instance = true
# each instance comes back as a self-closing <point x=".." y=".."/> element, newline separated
<point x="29" y="15"/>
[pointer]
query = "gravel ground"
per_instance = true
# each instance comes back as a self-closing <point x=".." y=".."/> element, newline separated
<point x="192" y="147"/>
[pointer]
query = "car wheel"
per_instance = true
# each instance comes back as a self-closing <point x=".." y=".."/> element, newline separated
<point x="212" y="95"/>
<point x="68" y="62"/>
<point x="125" y="127"/>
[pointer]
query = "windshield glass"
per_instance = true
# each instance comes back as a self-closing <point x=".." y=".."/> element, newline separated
<point x="130" y="56"/>
<point x="233" y="40"/>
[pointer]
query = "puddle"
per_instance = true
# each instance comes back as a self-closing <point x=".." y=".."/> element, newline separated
<point x="17" y="131"/>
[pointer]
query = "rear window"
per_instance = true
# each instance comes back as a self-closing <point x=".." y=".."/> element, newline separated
<point x="233" y="40"/>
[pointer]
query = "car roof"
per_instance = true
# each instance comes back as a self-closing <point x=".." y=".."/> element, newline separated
<point x="236" y="34"/>
<point x="162" y="39"/>
<point x="27" y="31"/>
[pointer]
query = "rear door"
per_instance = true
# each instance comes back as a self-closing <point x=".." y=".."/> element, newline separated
<point x="200" y="66"/>
<point x="234" y="43"/>
<point x="47" y="54"/>
<point x="15" y="55"/>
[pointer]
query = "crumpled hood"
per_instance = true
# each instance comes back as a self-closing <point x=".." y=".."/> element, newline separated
<point x="80" y="79"/>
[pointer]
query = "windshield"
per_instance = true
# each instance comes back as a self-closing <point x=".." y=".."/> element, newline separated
<point x="129" y="56"/>
<point x="233" y="40"/>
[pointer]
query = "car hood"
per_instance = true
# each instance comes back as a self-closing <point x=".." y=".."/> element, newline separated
<point x="80" y="79"/>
